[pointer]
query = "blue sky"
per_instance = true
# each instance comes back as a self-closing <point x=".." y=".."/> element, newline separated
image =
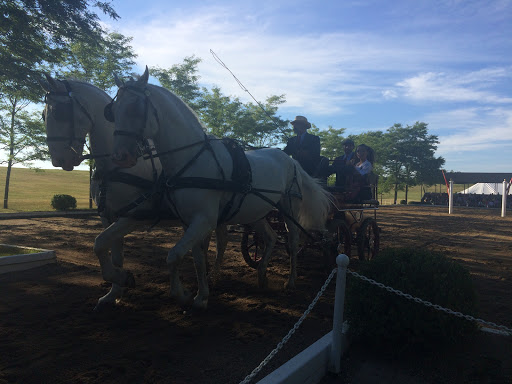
<point x="362" y="65"/>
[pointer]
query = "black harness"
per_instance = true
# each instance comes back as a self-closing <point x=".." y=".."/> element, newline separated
<point x="241" y="178"/>
<point x="64" y="111"/>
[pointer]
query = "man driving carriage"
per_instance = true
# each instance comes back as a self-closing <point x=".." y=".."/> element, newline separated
<point x="305" y="147"/>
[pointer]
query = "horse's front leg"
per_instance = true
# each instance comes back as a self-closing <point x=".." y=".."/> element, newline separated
<point x="111" y="238"/>
<point x="198" y="229"/>
<point x="116" y="292"/>
<point x="221" y="238"/>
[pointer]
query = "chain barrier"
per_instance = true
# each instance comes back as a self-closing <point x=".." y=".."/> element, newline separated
<point x="265" y="361"/>
<point x="495" y="328"/>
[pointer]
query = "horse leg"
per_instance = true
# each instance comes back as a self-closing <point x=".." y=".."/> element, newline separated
<point x="293" y="239"/>
<point x="194" y="234"/>
<point x="104" y="242"/>
<point x="221" y="238"/>
<point x="116" y="292"/>
<point x="269" y="236"/>
<point x="293" y="244"/>
<point x="199" y="252"/>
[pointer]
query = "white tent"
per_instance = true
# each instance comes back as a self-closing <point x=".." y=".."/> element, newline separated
<point x="486" y="189"/>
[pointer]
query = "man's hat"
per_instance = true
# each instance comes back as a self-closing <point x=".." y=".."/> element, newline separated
<point x="301" y="120"/>
<point x="348" y="141"/>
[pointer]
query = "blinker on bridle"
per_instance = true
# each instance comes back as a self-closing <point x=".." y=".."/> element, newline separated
<point x="65" y="112"/>
<point x="109" y="115"/>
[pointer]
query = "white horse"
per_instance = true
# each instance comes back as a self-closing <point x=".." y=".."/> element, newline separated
<point x="74" y="109"/>
<point x="199" y="175"/>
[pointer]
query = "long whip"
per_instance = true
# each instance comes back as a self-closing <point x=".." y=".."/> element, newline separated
<point x="218" y="60"/>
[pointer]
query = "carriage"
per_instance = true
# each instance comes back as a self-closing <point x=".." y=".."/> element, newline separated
<point x="350" y="225"/>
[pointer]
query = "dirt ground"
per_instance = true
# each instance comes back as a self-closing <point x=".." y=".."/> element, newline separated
<point x="50" y="334"/>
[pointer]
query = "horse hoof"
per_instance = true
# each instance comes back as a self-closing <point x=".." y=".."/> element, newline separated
<point x="101" y="305"/>
<point x="130" y="280"/>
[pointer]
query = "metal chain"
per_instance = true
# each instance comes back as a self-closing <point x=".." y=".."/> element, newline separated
<point x="290" y="333"/>
<point x="502" y="329"/>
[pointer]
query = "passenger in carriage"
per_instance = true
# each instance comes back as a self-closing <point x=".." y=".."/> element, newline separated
<point x="305" y="148"/>
<point x="363" y="167"/>
<point x="352" y="174"/>
<point x="343" y="165"/>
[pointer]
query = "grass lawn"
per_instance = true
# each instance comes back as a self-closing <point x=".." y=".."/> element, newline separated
<point x="11" y="250"/>
<point x="32" y="190"/>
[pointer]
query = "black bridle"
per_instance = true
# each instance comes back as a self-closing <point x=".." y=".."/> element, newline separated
<point x="60" y="115"/>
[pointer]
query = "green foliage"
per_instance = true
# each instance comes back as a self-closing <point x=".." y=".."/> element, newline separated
<point x="383" y="319"/>
<point x="182" y="79"/>
<point x="36" y="33"/>
<point x="63" y="202"/>
<point x="95" y="63"/>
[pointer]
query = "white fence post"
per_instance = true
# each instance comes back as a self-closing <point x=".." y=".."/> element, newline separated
<point x="450" y="198"/>
<point x="339" y="302"/>
<point x="504" y="199"/>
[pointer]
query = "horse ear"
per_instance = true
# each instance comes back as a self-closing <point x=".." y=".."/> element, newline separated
<point x="44" y="84"/>
<point x="119" y="82"/>
<point x="145" y="76"/>
<point x="52" y="84"/>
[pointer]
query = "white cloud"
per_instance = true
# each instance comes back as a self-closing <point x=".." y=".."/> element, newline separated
<point x="456" y="87"/>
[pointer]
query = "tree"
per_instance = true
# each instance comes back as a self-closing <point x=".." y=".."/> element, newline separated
<point x="330" y="140"/>
<point x="22" y="136"/>
<point x="36" y="32"/>
<point x="182" y="79"/>
<point x="410" y="156"/>
<point x="95" y="63"/>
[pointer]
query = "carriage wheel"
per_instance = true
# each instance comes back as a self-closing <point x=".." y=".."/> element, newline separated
<point x="341" y="241"/>
<point x="252" y="248"/>
<point x="368" y="239"/>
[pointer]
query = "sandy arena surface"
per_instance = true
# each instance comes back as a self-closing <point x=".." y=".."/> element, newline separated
<point x="49" y="333"/>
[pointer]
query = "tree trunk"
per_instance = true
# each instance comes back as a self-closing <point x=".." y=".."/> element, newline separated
<point x="7" y="179"/>
<point x="396" y="192"/>
<point x="406" y="191"/>
<point x="11" y="156"/>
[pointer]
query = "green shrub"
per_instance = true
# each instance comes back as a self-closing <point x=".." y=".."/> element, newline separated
<point x="397" y="324"/>
<point x="63" y="202"/>
<point x="403" y="202"/>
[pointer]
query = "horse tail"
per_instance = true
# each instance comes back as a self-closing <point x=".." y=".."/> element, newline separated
<point x="315" y="204"/>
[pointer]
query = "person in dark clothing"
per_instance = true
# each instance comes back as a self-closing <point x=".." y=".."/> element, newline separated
<point x="343" y="165"/>
<point x="305" y="148"/>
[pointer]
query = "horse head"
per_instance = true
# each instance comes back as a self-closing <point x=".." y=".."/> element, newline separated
<point x="64" y="119"/>
<point x="129" y="112"/>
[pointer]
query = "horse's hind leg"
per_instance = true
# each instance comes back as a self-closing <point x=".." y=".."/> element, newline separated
<point x="221" y="238"/>
<point x="293" y="241"/>
<point x="263" y="228"/>
<point x="199" y="252"/>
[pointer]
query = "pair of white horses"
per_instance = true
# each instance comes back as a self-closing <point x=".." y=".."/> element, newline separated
<point x="197" y="167"/>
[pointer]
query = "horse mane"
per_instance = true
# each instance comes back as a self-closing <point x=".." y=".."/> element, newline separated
<point x="180" y="104"/>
